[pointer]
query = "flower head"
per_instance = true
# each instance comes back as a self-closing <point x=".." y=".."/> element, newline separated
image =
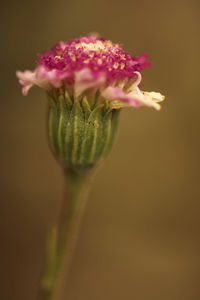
<point x="90" y="64"/>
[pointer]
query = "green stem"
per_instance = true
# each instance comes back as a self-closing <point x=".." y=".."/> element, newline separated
<point x="62" y="239"/>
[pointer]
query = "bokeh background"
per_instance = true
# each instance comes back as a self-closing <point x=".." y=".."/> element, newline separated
<point x="140" y="236"/>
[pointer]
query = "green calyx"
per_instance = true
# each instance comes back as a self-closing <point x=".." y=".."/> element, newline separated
<point x="81" y="134"/>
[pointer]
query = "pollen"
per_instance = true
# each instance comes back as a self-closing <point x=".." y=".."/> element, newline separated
<point x="122" y="66"/>
<point x="116" y="65"/>
<point x="91" y="54"/>
<point x="99" y="61"/>
<point x="73" y="58"/>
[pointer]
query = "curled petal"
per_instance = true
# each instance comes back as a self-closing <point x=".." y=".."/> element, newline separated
<point x="26" y="87"/>
<point x="136" y="80"/>
<point x="133" y="82"/>
<point x="26" y="79"/>
<point x="41" y="77"/>
<point x="144" y="98"/>
<point x="86" y="79"/>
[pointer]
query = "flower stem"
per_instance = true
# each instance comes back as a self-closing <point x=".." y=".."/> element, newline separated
<point x="62" y="240"/>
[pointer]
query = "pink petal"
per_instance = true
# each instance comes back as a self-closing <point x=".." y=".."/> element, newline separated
<point x="42" y="78"/>
<point x="46" y="79"/>
<point x="26" y="79"/>
<point x="26" y="76"/>
<point x="114" y="93"/>
<point x="86" y="79"/>
<point x="26" y="88"/>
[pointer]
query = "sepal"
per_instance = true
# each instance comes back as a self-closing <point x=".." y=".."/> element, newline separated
<point x="80" y="134"/>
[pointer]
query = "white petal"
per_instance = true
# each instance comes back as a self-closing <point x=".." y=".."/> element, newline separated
<point x="157" y="97"/>
<point x="136" y="81"/>
<point x="144" y="98"/>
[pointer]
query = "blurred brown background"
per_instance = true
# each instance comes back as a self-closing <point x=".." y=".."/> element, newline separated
<point x="140" y="233"/>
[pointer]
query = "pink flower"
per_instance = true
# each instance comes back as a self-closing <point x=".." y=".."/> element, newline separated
<point x="91" y="63"/>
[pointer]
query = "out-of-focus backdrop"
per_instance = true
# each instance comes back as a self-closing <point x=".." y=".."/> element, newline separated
<point x="140" y="236"/>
